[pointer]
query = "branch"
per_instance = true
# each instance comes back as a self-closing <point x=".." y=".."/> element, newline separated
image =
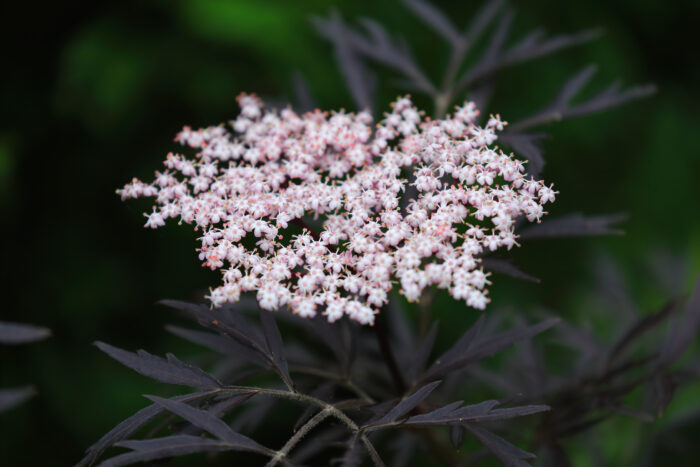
<point x="289" y="445"/>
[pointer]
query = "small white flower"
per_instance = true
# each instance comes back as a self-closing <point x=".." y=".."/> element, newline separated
<point x="248" y="189"/>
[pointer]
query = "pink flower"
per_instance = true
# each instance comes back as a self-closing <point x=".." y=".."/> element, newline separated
<point x="248" y="189"/>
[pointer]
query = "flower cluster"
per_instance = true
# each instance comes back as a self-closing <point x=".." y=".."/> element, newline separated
<point x="411" y="201"/>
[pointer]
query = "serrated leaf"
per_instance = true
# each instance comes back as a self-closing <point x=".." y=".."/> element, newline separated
<point x="218" y="343"/>
<point x="506" y="267"/>
<point x="275" y="346"/>
<point x="561" y="108"/>
<point x="574" y="225"/>
<point x="467" y="351"/>
<point x="129" y="426"/>
<point x="219" y="409"/>
<point x="507" y="453"/>
<point x="526" y="145"/>
<point x="530" y="47"/>
<point x="380" y="47"/>
<point x="434" y="18"/>
<point x="572" y="87"/>
<point x="17" y="333"/>
<point x="481" y="412"/>
<point x="171" y="371"/>
<point x="451" y="413"/>
<point x="482" y="19"/>
<point x="608" y="98"/>
<point x="535" y="48"/>
<point x="242" y="332"/>
<point x="331" y="336"/>
<point x="682" y="334"/>
<point x="210" y="423"/>
<point x="11" y="398"/>
<point x="160" y="448"/>
<point x="489" y="60"/>
<point x="405" y="405"/>
<point x="642" y="326"/>
<point x="357" y="78"/>
<point x="420" y="357"/>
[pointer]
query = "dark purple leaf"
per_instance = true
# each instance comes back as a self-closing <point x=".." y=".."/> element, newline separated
<point x="482" y="19"/>
<point x="356" y="76"/>
<point x="663" y="389"/>
<point x="684" y="332"/>
<point x="221" y="344"/>
<point x="642" y="326"/>
<point x="457" y="435"/>
<point x="10" y="398"/>
<point x="444" y="414"/>
<point x="401" y="335"/>
<point x="497" y="42"/>
<point x="572" y="87"/>
<point x="220" y="409"/>
<point x="210" y="423"/>
<point x="574" y="225"/>
<point x="532" y="47"/>
<point x="490" y="58"/>
<point x="420" y="357"/>
<point x="255" y="414"/>
<point x="405" y="405"/>
<point x="304" y="98"/>
<point x="275" y="346"/>
<point x="526" y="145"/>
<point x="16" y="333"/>
<point x="434" y="18"/>
<point x="528" y="48"/>
<point x="242" y="331"/>
<point x="612" y="286"/>
<point x="508" y="454"/>
<point x="380" y="47"/>
<point x="129" y="426"/>
<point x="506" y="267"/>
<point x="464" y="343"/>
<point x="608" y="98"/>
<point x="481" y="412"/>
<point x="467" y="351"/>
<point x="316" y="443"/>
<point x="561" y="108"/>
<point x="331" y="335"/>
<point x="160" y="448"/>
<point x="171" y="371"/>
<point x="352" y="457"/>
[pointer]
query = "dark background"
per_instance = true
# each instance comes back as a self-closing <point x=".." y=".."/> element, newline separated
<point x="92" y="94"/>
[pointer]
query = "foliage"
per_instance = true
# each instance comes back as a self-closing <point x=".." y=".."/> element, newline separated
<point x="15" y="334"/>
<point x="349" y="394"/>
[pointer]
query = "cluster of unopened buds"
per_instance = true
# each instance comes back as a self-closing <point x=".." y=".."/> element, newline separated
<point x="410" y="202"/>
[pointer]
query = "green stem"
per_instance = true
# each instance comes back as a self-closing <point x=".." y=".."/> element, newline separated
<point x="332" y="410"/>
<point x="289" y="445"/>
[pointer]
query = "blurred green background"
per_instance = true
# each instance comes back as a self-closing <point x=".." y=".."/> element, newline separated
<point x="92" y="94"/>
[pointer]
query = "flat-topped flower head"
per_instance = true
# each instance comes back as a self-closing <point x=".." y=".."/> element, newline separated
<point x="410" y="202"/>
